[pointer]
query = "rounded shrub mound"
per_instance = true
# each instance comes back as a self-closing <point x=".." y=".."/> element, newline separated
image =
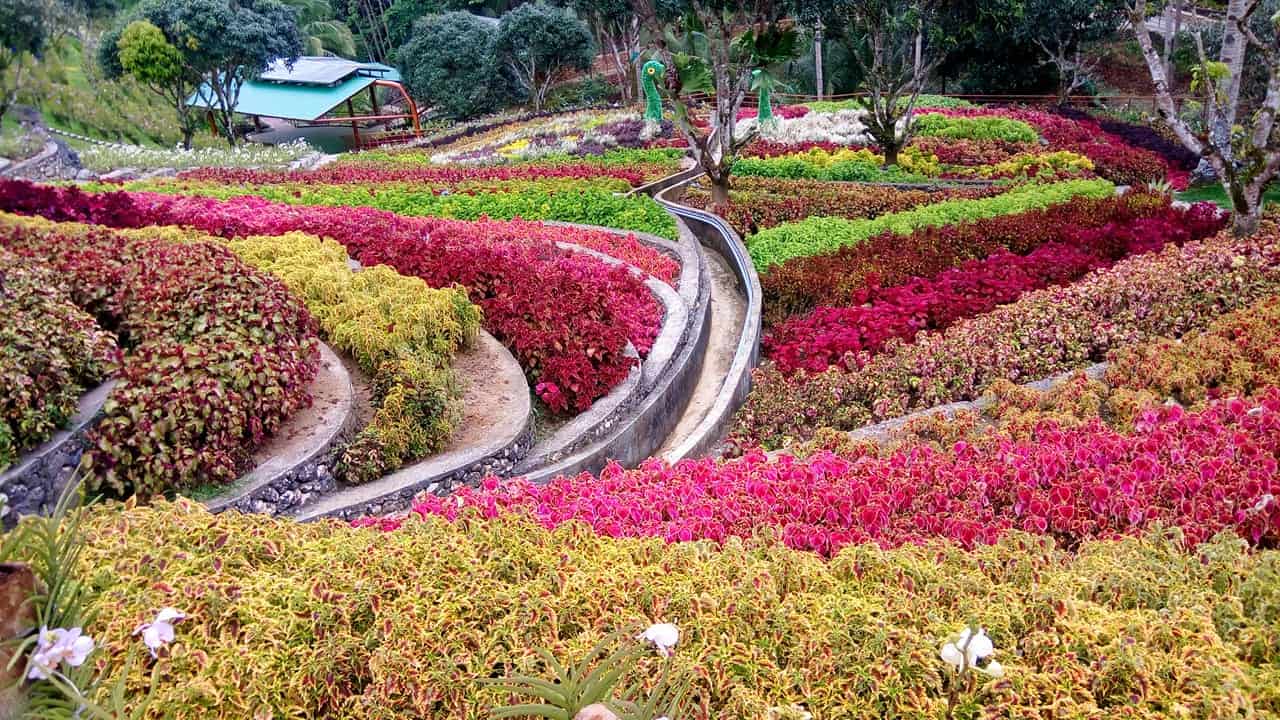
<point x="217" y="354"/>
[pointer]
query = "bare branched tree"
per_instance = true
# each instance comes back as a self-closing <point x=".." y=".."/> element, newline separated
<point x="1245" y="159"/>
<point x="895" y="61"/>
<point x="722" y="42"/>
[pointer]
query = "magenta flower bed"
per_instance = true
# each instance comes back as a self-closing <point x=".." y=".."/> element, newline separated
<point x="344" y="173"/>
<point x="1204" y="473"/>
<point x="829" y="335"/>
<point x="567" y="317"/>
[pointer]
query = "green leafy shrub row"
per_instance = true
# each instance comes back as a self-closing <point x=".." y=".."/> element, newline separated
<point x="50" y="352"/>
<point x="843" y="165"/>
<point x="323" y="620"/>
<point x="588" y="202"/>
<point x="974" y="128"/>
<point x="217" y="354"/>
<point x="924" y="101"/>
<point x="819" y="235"/>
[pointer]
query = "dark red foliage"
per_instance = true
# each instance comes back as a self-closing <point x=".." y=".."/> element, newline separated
<point x="853" y="334"/>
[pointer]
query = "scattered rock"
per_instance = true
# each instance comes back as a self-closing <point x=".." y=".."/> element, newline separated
<point x="120" y="175"/>
<point x="84" y="174"/>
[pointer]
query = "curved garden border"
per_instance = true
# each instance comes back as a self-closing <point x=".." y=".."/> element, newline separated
<point x="35" y="482"/>
<point x="299" y="469"/>
<point x="443" y="472"/>
<point x="715" y="233"/>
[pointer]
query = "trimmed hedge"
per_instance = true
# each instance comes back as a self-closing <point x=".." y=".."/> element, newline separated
<point x="51" y="352"/>
<point x="217" y="355"/>
<point x="761" y="203"/>
<point x="821" y="235"/>
<point x="846" y="276"/>
<point x="974" y="128"/>
<point x="371" y="168"/>
<point x="844" y="164"/>
<point x="1044" y="332"/>
<point x="322" y="620"/>
<point x="585" y="202"/>
<point x="852" y="334"/>
<point x="567" y="317"/>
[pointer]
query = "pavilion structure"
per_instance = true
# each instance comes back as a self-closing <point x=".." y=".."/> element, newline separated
<point x="314" y="91"/>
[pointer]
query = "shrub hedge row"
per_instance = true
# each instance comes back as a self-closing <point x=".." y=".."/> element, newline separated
<point x="50" y="353"/>
<point x="217" y="354"/>
<point x="846" y="276"/>
<point x="1044" y="332"/>
<point x="852" y="334"/>
<point x="400" y="332"/>
<point x="586" y="202"/>
<point x="567" y="317"/>
<point x="322" y="620"/>
<point x="758" y="203"/>
<point x="823" y="235"/>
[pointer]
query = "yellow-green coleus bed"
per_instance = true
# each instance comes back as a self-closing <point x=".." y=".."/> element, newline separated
<point x="292" y="620"/>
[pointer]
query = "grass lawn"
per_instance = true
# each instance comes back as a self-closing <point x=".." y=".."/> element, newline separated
<point x="1215" y="194"/>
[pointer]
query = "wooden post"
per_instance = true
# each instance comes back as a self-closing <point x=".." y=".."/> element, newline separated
<point x="355" y="126"/>
<point x="213" y="124"/>
<point x="373" y="98"/>
<point x="18" y="587"/>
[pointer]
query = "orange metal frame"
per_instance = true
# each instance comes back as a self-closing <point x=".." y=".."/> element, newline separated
<point x="354" y="119"/>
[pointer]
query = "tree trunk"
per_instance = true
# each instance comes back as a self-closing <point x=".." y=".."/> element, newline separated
<point x="720" y="190"/>
<point x="819" y="81"/>
<point x="891" y="150"/>
<point x="1234" y="47"/>
<point x="1244" y="223"/>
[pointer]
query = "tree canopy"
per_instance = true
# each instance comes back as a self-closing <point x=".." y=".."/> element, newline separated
<point x="449" y="63"/>
<point x="537" y="42"/>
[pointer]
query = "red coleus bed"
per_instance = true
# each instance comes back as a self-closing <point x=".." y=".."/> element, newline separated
<point x="844" y="277"/>
<point x="567" y="317"/>
<point x="1204" y="473"/>
<point x="879" y="314"/>
<point x="217" y="354"/>
<point x="343" y="173"/>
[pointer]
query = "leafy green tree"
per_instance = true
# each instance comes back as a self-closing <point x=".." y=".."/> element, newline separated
<point x="449" y="63"/>
<point x="1062" y="28"/>
<point x="716" y="45"/>
<point x="903" y="41"/>
<point x="24" y="31"/>
<point x="537" y="43"/>
<point x="221" y="42"/>
<point x="322" y="33"/>
<point x="616" y="28"/>
<point x="143" y="52"/>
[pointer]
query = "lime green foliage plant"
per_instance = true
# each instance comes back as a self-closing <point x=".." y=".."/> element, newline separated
<point x="594" y="202"/>
<point x="974" y="128"/>
<point x="323" y="620"/>
<point x="845" y="164"/>
<point x="819" y="235"/>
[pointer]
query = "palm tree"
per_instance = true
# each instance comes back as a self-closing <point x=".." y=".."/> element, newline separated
<point x="322" y="34"/>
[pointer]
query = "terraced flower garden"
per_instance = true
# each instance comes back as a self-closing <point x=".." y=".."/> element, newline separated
<point x="1008" y="383"/>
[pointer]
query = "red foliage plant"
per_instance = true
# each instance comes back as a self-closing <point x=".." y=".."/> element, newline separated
<point x="1201" y="472"/>
<point x="567" y="317"/>
<point x="347" y="173"/>
<point x="879" y="314"/>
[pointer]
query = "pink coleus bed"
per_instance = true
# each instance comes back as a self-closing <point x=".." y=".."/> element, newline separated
<point x="567" y="317"/>
<point x="1201" y="472"/>
<point x="829" y="334"/>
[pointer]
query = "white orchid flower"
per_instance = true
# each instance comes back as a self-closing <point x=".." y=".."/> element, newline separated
<point x="664" y="637"/>
<point x="972" y="650"/>
<point x="56" y="646"/>
<point x="159" y="632"/>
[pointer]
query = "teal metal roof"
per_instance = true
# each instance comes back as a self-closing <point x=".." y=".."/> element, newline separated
<point x="303" y="98"/>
